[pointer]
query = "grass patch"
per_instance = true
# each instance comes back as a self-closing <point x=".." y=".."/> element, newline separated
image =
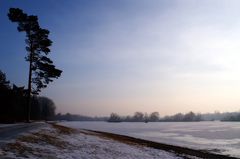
<point x="64" y="130"/>
<point x="40" y="143"/>
<point x="18" y="147"/>
<point x="44" y="138"/>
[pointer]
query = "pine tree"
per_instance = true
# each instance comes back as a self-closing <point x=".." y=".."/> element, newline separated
<point x="41" y="68"/>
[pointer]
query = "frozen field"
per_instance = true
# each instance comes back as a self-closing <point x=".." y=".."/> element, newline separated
<point x="217" y="137"/>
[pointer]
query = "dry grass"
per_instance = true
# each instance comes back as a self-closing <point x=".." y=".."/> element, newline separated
<point x="18" y="147"/>
<point x="111" y="137"/>
<point x="44" y="138"/>
<point x="64" y="130"/>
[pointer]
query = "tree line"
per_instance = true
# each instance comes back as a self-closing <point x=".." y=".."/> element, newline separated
<point x="137" y="117"/>
<point x="235" y="116"/>
<point x="191" y="116"/>
<point x="13" y="102"/>
<point x="179" y="117"/>
<point x="155" y="117"/>
<point x="77" y="117"/>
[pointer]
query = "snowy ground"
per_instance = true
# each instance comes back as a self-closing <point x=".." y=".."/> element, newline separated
<point x="9" y="125"/>
<point x="216" y="137"/>
<point x="56" y="142"/>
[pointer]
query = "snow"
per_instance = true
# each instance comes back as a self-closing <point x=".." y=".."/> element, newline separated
<point x="14" y="125"/>
<point x="216" y="137"/>
<point x="8" y="125"/>
<point x="49" y="142"/>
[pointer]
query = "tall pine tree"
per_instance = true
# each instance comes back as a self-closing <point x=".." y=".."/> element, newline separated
<point x="41" y="68"/>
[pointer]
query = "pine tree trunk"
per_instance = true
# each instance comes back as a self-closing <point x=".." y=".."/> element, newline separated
<point x="29" y="85"/>
<point x="29" y="93"/>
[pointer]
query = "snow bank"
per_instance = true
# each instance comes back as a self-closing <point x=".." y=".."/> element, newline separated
<point x="56" y="143"/>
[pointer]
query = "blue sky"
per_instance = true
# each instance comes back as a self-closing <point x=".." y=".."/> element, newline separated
<point x="139" y="55"/>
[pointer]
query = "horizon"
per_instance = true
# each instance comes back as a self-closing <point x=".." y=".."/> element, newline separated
<point x="127" y="56"/>
<point x="148" y="113"/>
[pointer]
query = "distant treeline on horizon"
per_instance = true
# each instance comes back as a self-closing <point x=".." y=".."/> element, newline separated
<point x="154" y="117"/>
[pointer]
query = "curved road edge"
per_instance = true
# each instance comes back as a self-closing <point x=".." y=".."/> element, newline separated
<point x="13" y="131"/>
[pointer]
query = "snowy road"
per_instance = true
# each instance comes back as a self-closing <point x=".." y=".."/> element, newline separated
<point x="8" y="132"/>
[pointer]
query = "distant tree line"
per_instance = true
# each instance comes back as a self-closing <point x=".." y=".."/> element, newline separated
<point x="179" y="117"/>
<point x="183" y="117"/>
<point x="137" y="117"/>
<point x="232" y="117"/>
<point x="13" y="102"/>
<point x="75" y="117"/>
<point x="225" y="116"/>
<point x="155" y="117"/>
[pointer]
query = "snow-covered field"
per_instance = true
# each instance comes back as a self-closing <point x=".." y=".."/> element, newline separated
<point x="216" y="137"/>
<point x="54" y="142"/>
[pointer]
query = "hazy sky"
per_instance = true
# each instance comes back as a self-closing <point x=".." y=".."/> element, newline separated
<point x="133" y="55"/>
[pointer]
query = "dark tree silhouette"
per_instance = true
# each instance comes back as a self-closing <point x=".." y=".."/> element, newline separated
<point x="41" y="68"/>
<point x="13" y="100"/>
<point x="114" y="117"/>
<point x="4" y="83"/>
<point x="154" y="116"/>
<point x="5" y="98"/>
<point x="47" y="107"/>
<point x="138" y="117"/>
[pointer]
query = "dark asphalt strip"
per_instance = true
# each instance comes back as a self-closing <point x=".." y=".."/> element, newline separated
<point x="11" y="132"/>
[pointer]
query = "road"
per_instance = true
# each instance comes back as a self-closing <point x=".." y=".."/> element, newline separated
<point x="12" y="131"/>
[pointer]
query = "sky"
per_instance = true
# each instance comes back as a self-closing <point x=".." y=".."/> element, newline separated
<point x="133" y="55"/>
